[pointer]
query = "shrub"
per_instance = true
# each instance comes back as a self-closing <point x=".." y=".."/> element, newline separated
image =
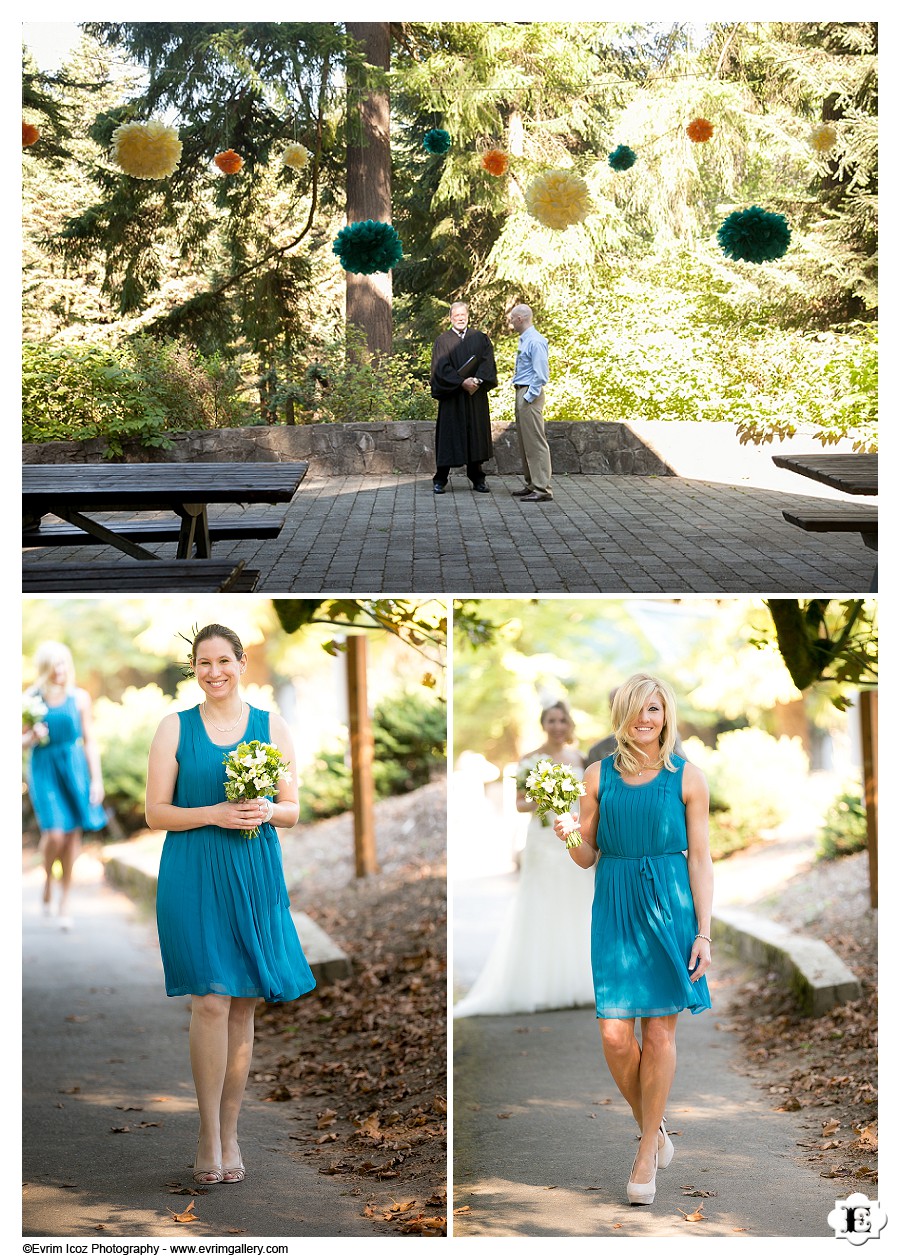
<point x="142" y="390"/>
<point x="752" y="780"/>
<point x="124" y="731"/>
<point x="346" y="382"/>
<point x="410" y="736"/>
<point x="843" y="827"/>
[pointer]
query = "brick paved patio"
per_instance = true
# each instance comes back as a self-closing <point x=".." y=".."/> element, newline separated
<point x="602" y="534"/>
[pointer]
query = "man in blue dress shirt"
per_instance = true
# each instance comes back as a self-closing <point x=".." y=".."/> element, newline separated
<point x="531" y="374"/>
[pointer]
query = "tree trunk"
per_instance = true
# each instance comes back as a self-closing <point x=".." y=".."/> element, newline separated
<point x="868" y="716"/>
<point x="362" y="755"/>
<point x="369" y="183"/>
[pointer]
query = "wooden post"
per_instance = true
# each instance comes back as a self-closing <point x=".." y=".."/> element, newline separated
<point x="362" y="751"/>
<point x="868" y="721"/>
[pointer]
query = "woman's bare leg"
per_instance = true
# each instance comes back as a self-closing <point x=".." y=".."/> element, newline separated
<point x="51" y="847"/>
<point x="623" y="1057"/>
<point x="209" y="1059"/>
<point x="67" y="857"/>
<point x="240" y="1051"/>
<point x="657" y="1071"/>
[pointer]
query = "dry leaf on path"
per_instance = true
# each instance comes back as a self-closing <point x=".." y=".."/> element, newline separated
<point x="696" y="1217"/>
<point x="185" y="1216"/>
<point x="125" y="1129"/>
<point x="831" y="1127"/>
<point x="505" y="1114"/>
<point x="462" y="1210"/>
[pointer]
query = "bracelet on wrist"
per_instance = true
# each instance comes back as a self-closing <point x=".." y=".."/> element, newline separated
<point x="701" y="936"/>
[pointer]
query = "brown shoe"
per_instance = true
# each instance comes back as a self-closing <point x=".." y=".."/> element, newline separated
<point x="523" y="492"/>
<point x="536" y="497"/>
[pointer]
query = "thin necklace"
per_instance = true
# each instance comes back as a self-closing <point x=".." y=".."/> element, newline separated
<point x="224" y="729"/>
<point x="643" y="771"/>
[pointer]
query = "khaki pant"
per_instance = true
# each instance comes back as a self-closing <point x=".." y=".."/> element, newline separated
<point x="533" y="441"/>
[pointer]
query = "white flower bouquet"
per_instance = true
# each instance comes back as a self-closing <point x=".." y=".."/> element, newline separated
<point x="254" y="770"/>
<point x="555" y="788"/>
<point x="34" y="710"/>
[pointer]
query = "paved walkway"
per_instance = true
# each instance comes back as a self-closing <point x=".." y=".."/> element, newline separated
<point x="543" y="1141"/>
<point x="105" y="1048"/>
<point x="601" y="534"/>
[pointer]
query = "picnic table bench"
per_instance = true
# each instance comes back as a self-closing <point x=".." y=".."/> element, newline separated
<point x="69" y="491"/>
<point x="853" y="474"/>
<point x="199" y="576"/>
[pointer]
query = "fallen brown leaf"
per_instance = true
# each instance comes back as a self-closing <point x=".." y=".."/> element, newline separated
<point x="124" y="1129"/>
<point x="505" y="1114"/>
<point x="76" y="1088"/>
<point x="185" y="1216"/>
<point x="696" y="1217"/>
<point x="829" y="1128"/>
<point x="462" y="1210"/>
<point x="77" y="1018"/>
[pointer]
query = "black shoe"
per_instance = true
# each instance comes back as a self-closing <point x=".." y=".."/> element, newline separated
<point x="481" y="487"/>
<point x="522" y="493"/>
<point x="438" y="488"/>
<point x="536" y="497"/>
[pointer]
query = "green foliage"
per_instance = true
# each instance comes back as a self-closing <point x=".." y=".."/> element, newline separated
<point x="843" y="827"/>
<point x="124" y="731"/>
<point x="410" y="735"/>
<point x="752" y="780"/>
<point x="829" y="642"/>
<point x="347" y="382"/>
<point x="142" y="391"/>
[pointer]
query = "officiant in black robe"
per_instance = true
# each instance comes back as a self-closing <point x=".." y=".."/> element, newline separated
<point x="462" y="372"/>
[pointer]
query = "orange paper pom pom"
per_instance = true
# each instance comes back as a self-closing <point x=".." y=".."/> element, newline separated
<point x="495" y="162"/>
<point x="30" y="134"/>
<point x="699" y="130"/>
<point x="229" y="162"/>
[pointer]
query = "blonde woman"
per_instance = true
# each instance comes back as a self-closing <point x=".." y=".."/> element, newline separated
<point x="645" y="826"/>
<point x="540" y="960"/>
<point x="64" y="778"/>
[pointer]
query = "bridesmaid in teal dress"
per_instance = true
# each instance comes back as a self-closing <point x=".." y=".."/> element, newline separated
<point x="64" y="778"/>
<point x="645" y="827"/>
<point x="223" y="914"/>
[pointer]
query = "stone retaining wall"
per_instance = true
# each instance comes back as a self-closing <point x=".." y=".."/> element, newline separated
<point x="388" y="447"/>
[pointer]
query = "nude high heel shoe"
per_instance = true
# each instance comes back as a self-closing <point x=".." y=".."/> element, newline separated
<point x="667" y="1149"/>
<point x="642" y="1193"/>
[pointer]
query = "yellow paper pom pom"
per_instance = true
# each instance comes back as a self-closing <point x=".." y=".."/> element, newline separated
<point x="146" y="150"/>
<point x="558" y="198"/>
<point x="295" y="156"/>
<point x="495" y="162"/>
<point x="823" y="138"/>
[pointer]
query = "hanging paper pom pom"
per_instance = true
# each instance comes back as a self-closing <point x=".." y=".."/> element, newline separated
<point x="295" y="156"/>
<point x="622" y="158"/>
<point x="146" y="150"/>
<point x="368" y="247"/>
<point x="229" y="162"/>
<point x="436" y="140"/>
<point x="30" y="134"/>
<point x="699" y="130"/>
<point x="557" y="198"/>
<point x="822" y="138"/>
<point x="754" y="235"/>
<point x="495" y="162"/>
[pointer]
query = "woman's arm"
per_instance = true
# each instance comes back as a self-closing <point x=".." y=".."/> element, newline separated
<point x="91" y="748"/>
<point x="162" y="772"/>
<point x="585" y="854"/>
<point x="286" y="809"/>
<point x="695" y="795"/>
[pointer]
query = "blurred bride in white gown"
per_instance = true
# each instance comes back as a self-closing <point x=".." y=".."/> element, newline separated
<point x="541" y="959"/>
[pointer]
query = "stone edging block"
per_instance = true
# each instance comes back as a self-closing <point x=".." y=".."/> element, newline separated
<point x="812" y="970"/>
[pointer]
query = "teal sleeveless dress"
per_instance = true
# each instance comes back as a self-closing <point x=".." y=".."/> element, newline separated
<point x="643" y="921"/>
<point x="222" y="909"/>
<point x="59" y="780"/>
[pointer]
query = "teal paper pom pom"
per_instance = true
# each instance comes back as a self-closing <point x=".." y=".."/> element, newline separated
<point x="622" y="158"/>
<point x="436" y="140"/>
<point x="754" y="235"/>
<point x="368" y="247"/>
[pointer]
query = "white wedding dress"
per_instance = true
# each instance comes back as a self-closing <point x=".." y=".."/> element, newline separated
<point x="542" y="957"/>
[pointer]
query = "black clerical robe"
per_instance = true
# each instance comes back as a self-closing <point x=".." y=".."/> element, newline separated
<point x="463" y="434"/>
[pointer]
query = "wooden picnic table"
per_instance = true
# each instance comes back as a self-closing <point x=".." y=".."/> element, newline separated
<point x="854" y="474"/>
<point x="851" y="473"/>
<point x="72" y="490"/>
<point x="199" y="576"/>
